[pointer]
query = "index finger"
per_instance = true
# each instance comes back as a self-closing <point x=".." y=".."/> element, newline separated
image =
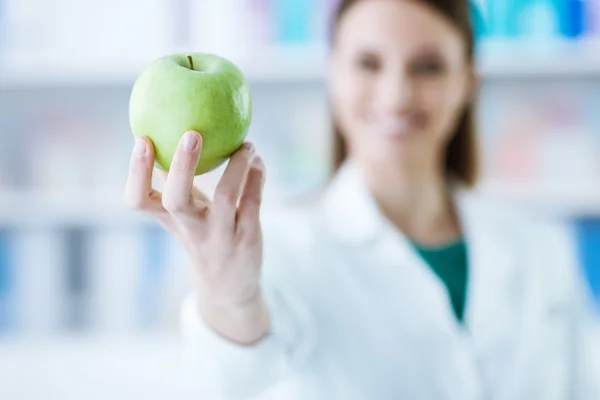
<point x="197" y="194"/>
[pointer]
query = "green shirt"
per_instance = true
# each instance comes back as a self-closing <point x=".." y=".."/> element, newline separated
<point x="450" y="264"/>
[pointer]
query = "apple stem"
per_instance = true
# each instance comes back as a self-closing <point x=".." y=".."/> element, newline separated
<point x="191" y="62"/>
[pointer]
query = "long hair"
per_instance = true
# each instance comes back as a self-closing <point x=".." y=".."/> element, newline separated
<point x="462" y="153"/>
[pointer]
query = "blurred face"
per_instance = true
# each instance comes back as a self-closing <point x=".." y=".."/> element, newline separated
<point x="399" y="80"/>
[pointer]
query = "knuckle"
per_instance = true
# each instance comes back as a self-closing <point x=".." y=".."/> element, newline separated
<point x="257" y="179"/>
<point x="253" y="200"/>
<point x="134" y="203"/>
<point x="261" y="171"/>
<point x="242" y="159"/>
<point x="184" y="161"/>
<point x="226" y="197"/>
<point x="137" y="167"/>
<point x="179" y="162"/>
<point x="174" y="205"/>
<point x="248" y="238"/>
<point x="248" y="156"/>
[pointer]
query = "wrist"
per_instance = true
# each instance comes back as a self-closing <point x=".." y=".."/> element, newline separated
<point x="229" y="299"/>
<point x="240" y="322"/>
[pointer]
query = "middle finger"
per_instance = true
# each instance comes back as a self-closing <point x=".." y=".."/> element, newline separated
<point x="177" y="198"/>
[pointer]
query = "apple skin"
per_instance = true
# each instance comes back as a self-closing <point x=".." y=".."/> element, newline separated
<point x="169" y="99"/>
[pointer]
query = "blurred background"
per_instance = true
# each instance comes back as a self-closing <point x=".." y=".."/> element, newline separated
<point x="90" y="292"/>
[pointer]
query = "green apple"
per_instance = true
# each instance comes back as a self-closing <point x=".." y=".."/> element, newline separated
<point x="198" y="91"/>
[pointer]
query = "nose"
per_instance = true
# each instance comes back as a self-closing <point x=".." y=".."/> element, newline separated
<point x="396" y="92"/>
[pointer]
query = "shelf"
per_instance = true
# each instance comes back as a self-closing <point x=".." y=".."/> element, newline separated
<point x="307" y="64"/>
<point x="540" y="69"/>
<point x="125" y="77"/>
<point x="531" y="59"/>
<point x="69" y="368"/>
<point x="26" y="208"/>
<point x="567" y="201"/>
<point x="302" y="64"/>
<point x="98" y="208"/>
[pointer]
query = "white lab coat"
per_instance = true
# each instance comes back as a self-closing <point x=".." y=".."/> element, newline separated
<point x="357" y="315"/>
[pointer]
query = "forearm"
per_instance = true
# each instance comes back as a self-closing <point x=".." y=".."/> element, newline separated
<point x="240" y="371"/>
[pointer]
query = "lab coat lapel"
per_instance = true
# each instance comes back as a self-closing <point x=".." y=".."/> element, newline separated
<point x="354" y="221"/>
<point x="497" y="302"/>
<point x="490" y="333"/>
<point x="349" y="212"/>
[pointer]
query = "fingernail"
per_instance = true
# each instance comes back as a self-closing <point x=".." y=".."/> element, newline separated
<point x="140" y="148"/>
<point x="190" y="141"/>
<point x="257" y="161"/>
<point x="248" y="146"/>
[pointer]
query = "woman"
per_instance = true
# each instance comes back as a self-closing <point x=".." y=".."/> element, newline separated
<point x="397" y="283"/>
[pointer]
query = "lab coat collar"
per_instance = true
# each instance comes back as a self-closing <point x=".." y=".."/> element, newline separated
<point x="350" y="212"/>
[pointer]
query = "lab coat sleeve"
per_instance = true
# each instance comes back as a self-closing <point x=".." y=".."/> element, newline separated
<point x="242" y="372"/>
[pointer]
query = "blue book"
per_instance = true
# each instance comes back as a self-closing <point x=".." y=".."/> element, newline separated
<point x="478" y="22"/>
<point x="152" y="279"/>
<point x="294" y="18"/>
<point x="571" y="17"/>
<point x="77" y="278"/>
<point x="502" y="17"/>
<point x="588" y="241"/>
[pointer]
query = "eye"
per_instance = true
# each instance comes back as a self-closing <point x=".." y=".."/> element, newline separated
<point x="369" y="63"/>
<point x="429" y="67"/>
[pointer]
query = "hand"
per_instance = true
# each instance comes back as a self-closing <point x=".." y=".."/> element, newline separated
<point x="222" y="238"/>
